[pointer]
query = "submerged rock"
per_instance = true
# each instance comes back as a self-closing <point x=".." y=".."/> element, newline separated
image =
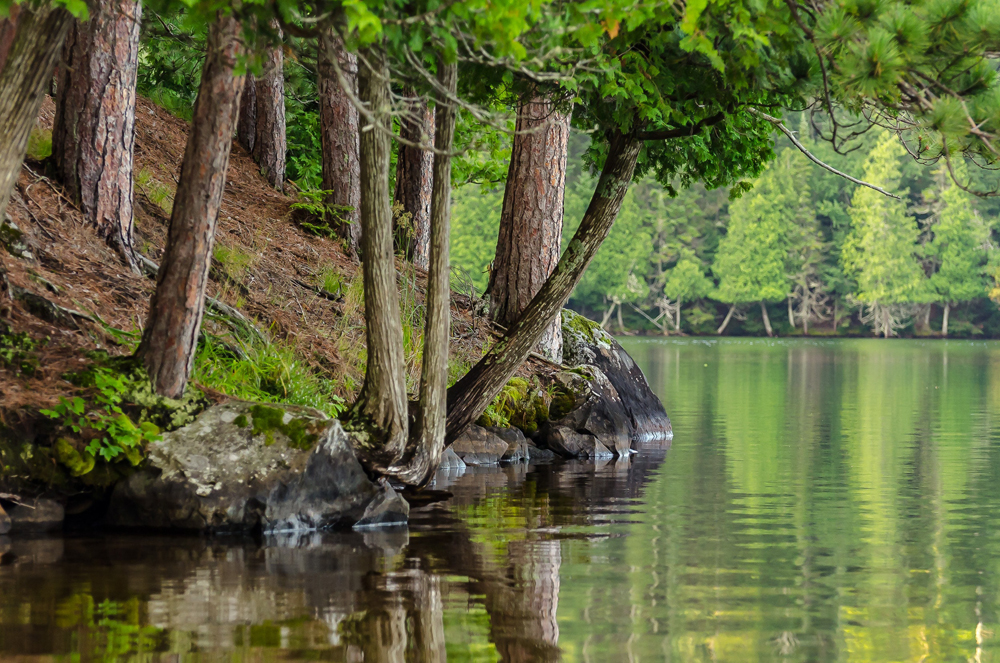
<point x="243" y="466"/>
<point x="585" y="343"/>
<point x="479" y="446"/>
<point x="36" y="515"/>
<point x="388" y="509"/>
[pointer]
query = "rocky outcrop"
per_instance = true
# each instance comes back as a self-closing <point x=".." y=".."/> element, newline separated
<point x="517" y="444"/>
<point x="572" y="444"/>
<point x="479" y="446"/>
<point x="586" y="402"/>
<point x="242" y="466"/>
<point x="585" y="343"/>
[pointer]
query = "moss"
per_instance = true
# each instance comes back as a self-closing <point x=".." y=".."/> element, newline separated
<point x="241" y="421"/>
<point x="77" y="463"/>
<point x="300" y="431"/>
<point x="563" y="403"/>
<point x="577" y="324"/>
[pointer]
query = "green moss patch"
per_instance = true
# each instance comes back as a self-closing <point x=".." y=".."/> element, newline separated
<point x="300" y="431"/>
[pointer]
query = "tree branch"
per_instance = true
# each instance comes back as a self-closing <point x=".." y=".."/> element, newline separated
<point x="683" y="131"/>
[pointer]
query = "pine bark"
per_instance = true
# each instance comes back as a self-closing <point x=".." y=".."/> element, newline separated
<point x="34" y="52"/>
<point x="531" y="218"/>
<point x="8" y="29"/>
<point x="93" y="135"/>
<point x="175" y="313"/>
<point x="382" y="404"/>
<point x="269" y="145"/>
<point x="339" y="134"/>
<point x="246" y="128"/>
<point x="428" y="436"/>
<point x="414" y="180"/>
<point x="469" y="396"/>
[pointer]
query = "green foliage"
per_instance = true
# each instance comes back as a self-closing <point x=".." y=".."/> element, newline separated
<point x="235" y="261"/>
<point x="318" y="217"/>
<point x="686" y="280"/>
<point x="959" y="244"/>
<point x="18" y="352"/>
<point x="158" y="193"/>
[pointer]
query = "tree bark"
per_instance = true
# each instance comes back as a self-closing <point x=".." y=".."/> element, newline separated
<point x="246" y="128"/>
<point x="269" y="145"/>
<point x="725" y="323"/>
<point x="469" y="396"/>
<point x="531" y="218"/>
<point x="175" y="313"/>
<point x="677" y="323"/>
<point x="93" y="135"/>
<point x="791" y="316"/>
<point x="414" y="181"/>
<point x="428" y="438"/>
<point x="339" y="131"/>
<point x="767" y="320"/>
<point x="944" y="319"/>
<point x="41" y="30"/>
<point x="381" y="405"/>
<point x="8" y="30"/>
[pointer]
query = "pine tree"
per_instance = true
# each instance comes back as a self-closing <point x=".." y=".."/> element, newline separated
<point x="879" y="250"/>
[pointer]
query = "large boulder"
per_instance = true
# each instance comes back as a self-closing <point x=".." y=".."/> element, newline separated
<point x="573" y="444"/>
<point x="585" y="343"/>
<point x="479" y="446"/>
<point x="517" y="444"/>
<point x="586" y="402"/>
<point x="241" y="467"/>
<point x="34" y="515"/>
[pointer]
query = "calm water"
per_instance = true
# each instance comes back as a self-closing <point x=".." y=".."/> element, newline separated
<point x="821" y="501"/>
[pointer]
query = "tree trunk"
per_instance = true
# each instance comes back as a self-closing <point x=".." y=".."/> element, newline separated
<point x="414" y="180"/>
<point x="791" y="316"/>
<point x="246" y="128"/>
<point x="8" y="29"/>
<point x="531" y="219"/>
<point x="338" y="119"/>
<point x="469" y="396"/>
<point x="725" y="323"/>
<point x="608" y="314"/>
<point x="93" y="135"/>
<point x="944" y="320"/>
<point x="677" y="321"/>
<point x="381" y="405"/>
<point x="175" y="313"/>
<point x="767" y="320"/>
<point x="428" y="438"/>
<point x="269" y="146"/>
<point x="621" y="325"/>
<point x="41" y="30"/>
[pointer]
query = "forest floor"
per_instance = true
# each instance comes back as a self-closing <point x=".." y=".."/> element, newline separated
<point x="302" y="290"/>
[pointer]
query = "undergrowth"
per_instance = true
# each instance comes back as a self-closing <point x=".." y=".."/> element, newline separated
<point x="234" y="260"/>
<point x="318" y="217"/>
<point x="155" y="191"/>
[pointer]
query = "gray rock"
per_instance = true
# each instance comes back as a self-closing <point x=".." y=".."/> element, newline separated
<point x="479" y="446"/>
<point x="585" y="343"/>
<point x="388" y="509"/>
<point x="38" y="515"/>
<point x="517" y="444"/>
<point x="5" y="522"/>
<point x="590" y="405"/>
<point x="568" y="442"/>
<point x="538" y="455"/>
<point x="13" y="240"/>
<point x="451" y="461"/>
<point x="287" y="469"/>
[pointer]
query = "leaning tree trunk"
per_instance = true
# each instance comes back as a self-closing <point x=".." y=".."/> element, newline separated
<point x="8" y="29"/>
<point x="175" y="313"/>
<point x="725" y="323"/>
<point x="41" y="30"/>
<point x="381" y="408"/>
<point x="944" y="319"/>
<point x="269" y="145"/>
<point x="246" y="128"/>
<point x="470" y="395"/>
<point x="427" y="440"/>
<point x="414" y="178"/>
<point x="93" y="134"/>
<point x="339" y="131"/>
<point x="767" y="320"/>
<point x="531" y="219"/>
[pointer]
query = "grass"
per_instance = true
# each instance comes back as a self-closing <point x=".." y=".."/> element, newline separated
<point x="39" y="144"/>
<point x="330" y="281"/>
<point x="158" y="193"/>
<point x="234" y="260"/>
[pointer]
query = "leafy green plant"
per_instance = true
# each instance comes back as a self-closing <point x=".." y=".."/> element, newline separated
<point x="331" y="282"/>
<point x="316" y="216"/>
<point x="17" y="352"/>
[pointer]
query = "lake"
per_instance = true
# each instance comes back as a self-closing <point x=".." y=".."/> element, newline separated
<point x="821" y="501"/>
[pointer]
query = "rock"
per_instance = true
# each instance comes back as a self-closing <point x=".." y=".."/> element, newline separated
<point x="590" y="405"/>
<point x="242" y="466"/>
<point x="5" y="522"/>
<point x="38" y="515"/>
<point x="451" y="461"/>
<point x="568" y="442"/>
<point x="517" y="444"/>
<point x="536" y="454"/>
<point x="479" y="446"/>
<point x="12" y="239"/>
<point x="388" y="509"/>
<point x="584" y="342"/>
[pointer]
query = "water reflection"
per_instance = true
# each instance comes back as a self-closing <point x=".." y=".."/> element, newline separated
<point x="822" y="501"/>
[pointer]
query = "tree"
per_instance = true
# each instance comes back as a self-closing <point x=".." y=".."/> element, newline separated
<point x="175" y="312"/>
<point x="269" y="145"/>
<point x="879" y="251"/>
<point x="414" y="179"/>
<point x="8" y="28"/>
<point x="93" y="134"/>
<point x="685" y="281"/>
<point x="531" y="218"/>
<point x="960" y="238"/>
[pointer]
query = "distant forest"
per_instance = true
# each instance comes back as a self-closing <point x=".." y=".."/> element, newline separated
<point x="804" y="251"/>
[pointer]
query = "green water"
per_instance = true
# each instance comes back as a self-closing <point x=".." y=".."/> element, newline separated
<point x="821" y="501"/>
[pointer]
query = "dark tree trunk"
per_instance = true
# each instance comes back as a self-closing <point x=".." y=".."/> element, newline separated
<point x="8" y="29"/>
<point x="269" y="141"/>
<point x="339" y="130"/>
<point x="469" y="396"/>
<point x="427" y="439"/>
<point x="414" y="181"/>
<point x="93" y="134"/>
<point x="246" y="128"/>
<point x="175" y="313"/>
<point x="41" y="30"/>
<point x="531" y="219"/>
<point x="381" y="405"/>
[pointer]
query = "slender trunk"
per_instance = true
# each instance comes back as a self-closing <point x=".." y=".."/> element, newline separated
<point x="339" y="131"/>
<point x="944" y="320"/>
<point x="414" y="180"/>
<point x="677" y="321"/>
<point x="767" y="320"/>
<point x="246" y="128"/>
<point x="41" y="30"/>
<point x="175" y="313"/>
<point x="725" y="323"/>
<point x="381" y="405"/>
<point x="836" y="313"/>
<point x="621" y="325"/>
<point x="791" y="316"/>
<point x="269" y="139"/>
<point x="428" y="438"/>
<point x="608" y="314"/>
<point x="93" y="135"/>
<point x="531" y="218"/>
<point x="8" y="29"/>
<point x="805" y="325"/>
<point x="469" y="396"/>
